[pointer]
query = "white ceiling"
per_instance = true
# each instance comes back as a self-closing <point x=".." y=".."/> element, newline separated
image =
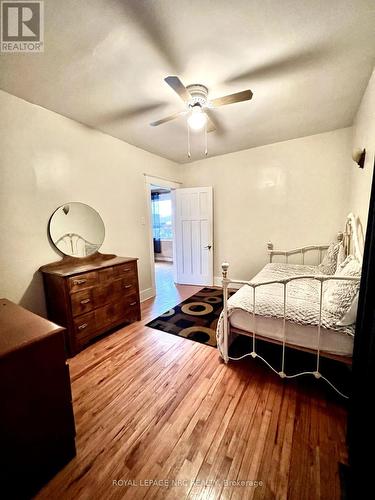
<point x="307" y="62"/>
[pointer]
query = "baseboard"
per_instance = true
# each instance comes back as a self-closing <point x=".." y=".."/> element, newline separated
<point x="147" y="294"/>
<point x="218" y="282"/>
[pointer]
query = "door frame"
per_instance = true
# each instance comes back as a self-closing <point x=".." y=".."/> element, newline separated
<point x="151" y="180"/>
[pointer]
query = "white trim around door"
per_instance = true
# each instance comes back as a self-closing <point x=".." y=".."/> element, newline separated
<point x="151" y="180"/>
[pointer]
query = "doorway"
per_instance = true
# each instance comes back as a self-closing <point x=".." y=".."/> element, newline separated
<point x="162" y="263"/>
<point x="162" y="237"/>
<point x="180" y="222"/>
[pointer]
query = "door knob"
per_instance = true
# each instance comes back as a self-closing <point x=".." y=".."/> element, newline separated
<point x="208" y="247"/>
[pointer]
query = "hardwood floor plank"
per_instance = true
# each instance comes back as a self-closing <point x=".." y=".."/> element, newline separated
<point x="279" y="468"/>
<point x="265" y="467"/>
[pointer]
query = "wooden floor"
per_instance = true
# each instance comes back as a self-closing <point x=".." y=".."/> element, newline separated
<point x="153" y="406"/>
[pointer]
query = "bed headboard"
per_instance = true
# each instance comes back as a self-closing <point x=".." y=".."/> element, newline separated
<point x="353" y="239"/>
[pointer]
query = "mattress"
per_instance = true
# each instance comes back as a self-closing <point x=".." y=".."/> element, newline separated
<point x="302" y="311"/>
<point x="306" y="336"/>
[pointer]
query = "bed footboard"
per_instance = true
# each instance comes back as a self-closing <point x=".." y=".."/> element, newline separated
<point x="224" y="348"/>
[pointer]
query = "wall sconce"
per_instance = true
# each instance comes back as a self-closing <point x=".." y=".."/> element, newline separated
<point x="359" y="156"/>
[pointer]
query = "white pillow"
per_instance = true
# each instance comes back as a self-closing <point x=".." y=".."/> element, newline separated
<point x="350" y="317"/>
<point x="339" y="294"/>
<point x="346" y="261"/>
<point x="329" y="263"/>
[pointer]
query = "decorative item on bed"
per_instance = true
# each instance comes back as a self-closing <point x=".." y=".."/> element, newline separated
<point x="305" y="307"/>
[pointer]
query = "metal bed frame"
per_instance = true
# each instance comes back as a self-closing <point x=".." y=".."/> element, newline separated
<point x="350" y="238"/>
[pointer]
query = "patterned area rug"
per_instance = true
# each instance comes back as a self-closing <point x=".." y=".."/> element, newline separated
<point x="195" y="318"/>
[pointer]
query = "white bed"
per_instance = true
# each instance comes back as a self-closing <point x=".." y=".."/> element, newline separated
<point x="287" y="304"/>
<point x="302" y="311"/>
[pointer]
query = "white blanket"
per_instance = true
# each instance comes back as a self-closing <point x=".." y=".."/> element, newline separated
<point x="303" y="298"/>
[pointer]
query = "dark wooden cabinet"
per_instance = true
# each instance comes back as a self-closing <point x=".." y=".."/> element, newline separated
<point x="37" y="431"/>
<point x="91" y="296"/>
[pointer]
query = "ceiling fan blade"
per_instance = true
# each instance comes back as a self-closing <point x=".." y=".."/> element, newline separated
<point x="213" y="124"/>
<point x="146" y="15"/>
<point x="126" y="114"/>
<point x="283" y="65"/>
<point x="245" y="95"/>
<point x="176" y="84"/>
<point x="210" y="125"/>
<point x="168" y="118"/>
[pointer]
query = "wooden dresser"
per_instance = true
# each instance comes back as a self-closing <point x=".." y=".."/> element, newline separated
<point x="36" y="416"/>
<point x="92" y="295"/>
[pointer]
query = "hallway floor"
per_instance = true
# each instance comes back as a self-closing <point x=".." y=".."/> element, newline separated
<point x="167" y="293"/>
<point x="163" y="275"/>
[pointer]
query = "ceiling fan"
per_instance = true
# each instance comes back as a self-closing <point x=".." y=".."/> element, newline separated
<point x="197" y="103"/>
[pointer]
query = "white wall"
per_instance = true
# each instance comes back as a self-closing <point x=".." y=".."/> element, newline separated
<point x="364" y="137"/>
<point x="292" y="193"/>
<point x="47" y="160"/>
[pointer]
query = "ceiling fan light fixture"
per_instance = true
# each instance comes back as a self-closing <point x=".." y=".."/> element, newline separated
<point x="196" y="101"/>
<point x="197" y="119"/>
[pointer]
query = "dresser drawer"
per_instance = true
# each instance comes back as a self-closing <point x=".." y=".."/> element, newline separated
<point x="85" y="325"/>
<point x="106" y="275"/>
<point x="82" y="302"/>
<point x="131" y="308"/>
<point x="104" y="294"/>
<point x="126" y="270"/>
<point x="82" y="281"/>
<point x="127" y="285"/>
<point x="110" y="314"/>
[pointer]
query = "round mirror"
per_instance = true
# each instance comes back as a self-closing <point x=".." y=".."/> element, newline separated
<point x="76" y="229"/>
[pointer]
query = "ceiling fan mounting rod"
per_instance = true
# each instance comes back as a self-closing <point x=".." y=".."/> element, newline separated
<point x="199" y="94"/>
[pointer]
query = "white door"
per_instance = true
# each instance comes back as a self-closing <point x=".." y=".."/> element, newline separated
<point x="194" y="236"/>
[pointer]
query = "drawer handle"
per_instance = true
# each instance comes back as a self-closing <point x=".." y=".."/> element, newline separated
<point x="82" y="327"/>
<point x="128" y="286"/>
<point x="85" y="301"/>
<point x="79" y="282"/>
<point x="133" y="303"/>
<point x="126" y="270"/>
